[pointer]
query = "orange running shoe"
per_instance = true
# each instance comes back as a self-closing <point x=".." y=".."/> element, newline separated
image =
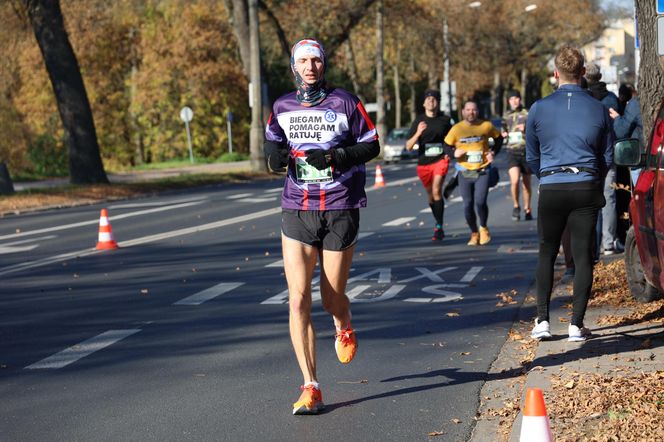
<point x="345" y="344"/>
<point x="310" y="401"/>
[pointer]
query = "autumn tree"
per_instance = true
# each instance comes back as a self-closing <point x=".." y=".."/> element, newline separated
<point x="651" y="74"/>
<point x="85" y="166"/>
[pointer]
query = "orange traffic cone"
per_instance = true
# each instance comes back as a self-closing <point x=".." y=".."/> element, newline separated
<point x="535" y="422"/>
<point x="105" y="241"/>
<point x="380" y="182"/>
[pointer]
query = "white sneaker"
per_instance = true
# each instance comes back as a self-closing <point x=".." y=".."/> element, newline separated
<point x="542" y="330"/>
<point x="577" y="334"/>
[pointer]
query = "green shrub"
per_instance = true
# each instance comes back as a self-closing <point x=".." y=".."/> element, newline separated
<point x="230" y="157"/>
<point x="48" y="157"/>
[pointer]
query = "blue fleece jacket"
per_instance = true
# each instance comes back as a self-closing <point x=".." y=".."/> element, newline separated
<point x="569" y="128"/>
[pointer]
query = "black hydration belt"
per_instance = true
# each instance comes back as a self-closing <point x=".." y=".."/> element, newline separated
<point x="568" y="169"/>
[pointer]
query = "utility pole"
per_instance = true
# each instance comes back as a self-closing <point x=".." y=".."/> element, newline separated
<point x="256" y="157"/>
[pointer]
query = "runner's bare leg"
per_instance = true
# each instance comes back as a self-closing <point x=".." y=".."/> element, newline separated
<point x="335" y="268"/>
<point x="299" y="264"/>
<point x="514" y="173"/>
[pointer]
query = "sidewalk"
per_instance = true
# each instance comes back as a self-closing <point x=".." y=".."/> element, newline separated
<point x="617" y="361"/>
<point x="146" y="175"/>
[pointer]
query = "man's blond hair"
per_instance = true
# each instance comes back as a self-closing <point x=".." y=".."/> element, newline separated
<point x="569" y="62"/>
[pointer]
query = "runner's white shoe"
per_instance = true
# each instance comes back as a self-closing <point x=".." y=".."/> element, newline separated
<point x="542" y="330"/>
<point x="578" y="334"/>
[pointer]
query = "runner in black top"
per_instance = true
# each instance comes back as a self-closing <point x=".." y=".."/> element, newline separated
<point x="427" y="133"/>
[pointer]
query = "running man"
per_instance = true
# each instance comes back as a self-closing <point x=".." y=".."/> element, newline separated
<point x="323" y="136"/>
<point x="514" y="129"/>
<point x="428" y="131"/>
<point x="469" y="142"/>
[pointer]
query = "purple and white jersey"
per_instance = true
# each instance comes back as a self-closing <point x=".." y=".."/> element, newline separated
<point x="339" y="120"/>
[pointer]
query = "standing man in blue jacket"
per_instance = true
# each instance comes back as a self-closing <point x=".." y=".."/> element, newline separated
<point x="569" y="146"/>
<point x="607" y="226"/>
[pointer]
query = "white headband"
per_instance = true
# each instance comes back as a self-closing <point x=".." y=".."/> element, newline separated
<point x="307" y="50"/>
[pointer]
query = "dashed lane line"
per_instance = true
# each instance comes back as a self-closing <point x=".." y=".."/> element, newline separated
<point x="209" y="293"/>
<point x="238" y="196"/>
<point x="85" y="348"/>
<point x="399" y="221"/>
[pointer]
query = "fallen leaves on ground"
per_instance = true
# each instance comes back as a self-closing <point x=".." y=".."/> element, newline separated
<point x="604" y="408"/>
<point x="610" y="285"/>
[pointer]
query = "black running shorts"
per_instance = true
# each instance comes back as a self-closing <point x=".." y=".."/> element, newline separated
<point x="517" y="158"/>
<point x="334" y="230"/>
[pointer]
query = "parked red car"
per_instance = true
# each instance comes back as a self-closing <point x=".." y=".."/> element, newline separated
<point x="644" y="243"/>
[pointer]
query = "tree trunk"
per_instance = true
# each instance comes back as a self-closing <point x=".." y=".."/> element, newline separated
<point x="256" y="156"/>
<point x="651" y="74"/>
<point x="380" y="74"/>
<point x="352" y="71"/>
<point x="239" y="17"/>
<point x="412" y="104"/>
<point x="6" y="185"/>
<point x="397" y="95"/>
<point x="85" y="165"/>
<point x="135" y="136"/>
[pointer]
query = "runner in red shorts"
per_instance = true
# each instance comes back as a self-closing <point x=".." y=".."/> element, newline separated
<point x="427" y="133"/>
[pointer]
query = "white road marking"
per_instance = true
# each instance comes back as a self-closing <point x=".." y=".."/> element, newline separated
<point x="258" y="200"/>
<point x="279" y="263"/>
<point x="143" y="240"/>
<point x="387" y="294"/>
<point x="238" y="196"/>
<point x="155" y="203"/>
<point x="471" y="274"/>
<point x="5" y="250"/>
<point x="364" y="234"/>
<point x="11" y="247"/>
<point x="393" y="183"/>
<point x="275" y="189"/>
<point x="399" y="221"/>
<point x="96" y="221"/>
<point x="85" y="348"/>
<point x="210" y="293"/>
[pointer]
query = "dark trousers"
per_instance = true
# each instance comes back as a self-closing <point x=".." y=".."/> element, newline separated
<point x="474" y="192"/>
<point x="576" y="209"/>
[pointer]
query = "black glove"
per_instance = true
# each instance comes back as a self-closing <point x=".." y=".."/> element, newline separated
<point x="276" y="156"/>
<point x="320" y="159"/>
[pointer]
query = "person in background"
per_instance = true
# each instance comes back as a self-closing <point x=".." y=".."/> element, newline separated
<point x="514" y="128"/>
<point x="569" y="145"/>
<point x="625" y="92"/>
<point x="468" y="142"/>
<point x="629" y="125"/>
<point x="427" y="132"/>
<point x="323" y="136"/>
<point x="607" y="224"/>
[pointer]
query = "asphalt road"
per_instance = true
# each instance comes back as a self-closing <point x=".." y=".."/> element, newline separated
<point x="182" y="333"/>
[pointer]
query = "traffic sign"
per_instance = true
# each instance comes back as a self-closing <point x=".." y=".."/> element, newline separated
<point x="660" y="35"/>
<point x="186" y="114"/>
<point x="660" y="6"/>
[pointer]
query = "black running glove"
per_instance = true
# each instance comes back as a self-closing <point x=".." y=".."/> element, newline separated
<point x="320" y="159"/>
<point x="276" y="156"/>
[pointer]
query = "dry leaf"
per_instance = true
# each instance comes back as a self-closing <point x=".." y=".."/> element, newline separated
<point x="452" y="314"/>
<point x="456" y="421"/>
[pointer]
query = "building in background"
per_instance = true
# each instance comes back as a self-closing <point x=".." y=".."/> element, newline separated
<point x="615" y="53"/>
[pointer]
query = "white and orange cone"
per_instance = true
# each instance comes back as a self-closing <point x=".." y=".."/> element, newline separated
<point x="380" y="182"/>
<point x="535" y="422"/>
<point x="105" y="240"/>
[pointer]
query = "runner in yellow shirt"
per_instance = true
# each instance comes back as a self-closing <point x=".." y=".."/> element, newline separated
<point x="469" y="140"/>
